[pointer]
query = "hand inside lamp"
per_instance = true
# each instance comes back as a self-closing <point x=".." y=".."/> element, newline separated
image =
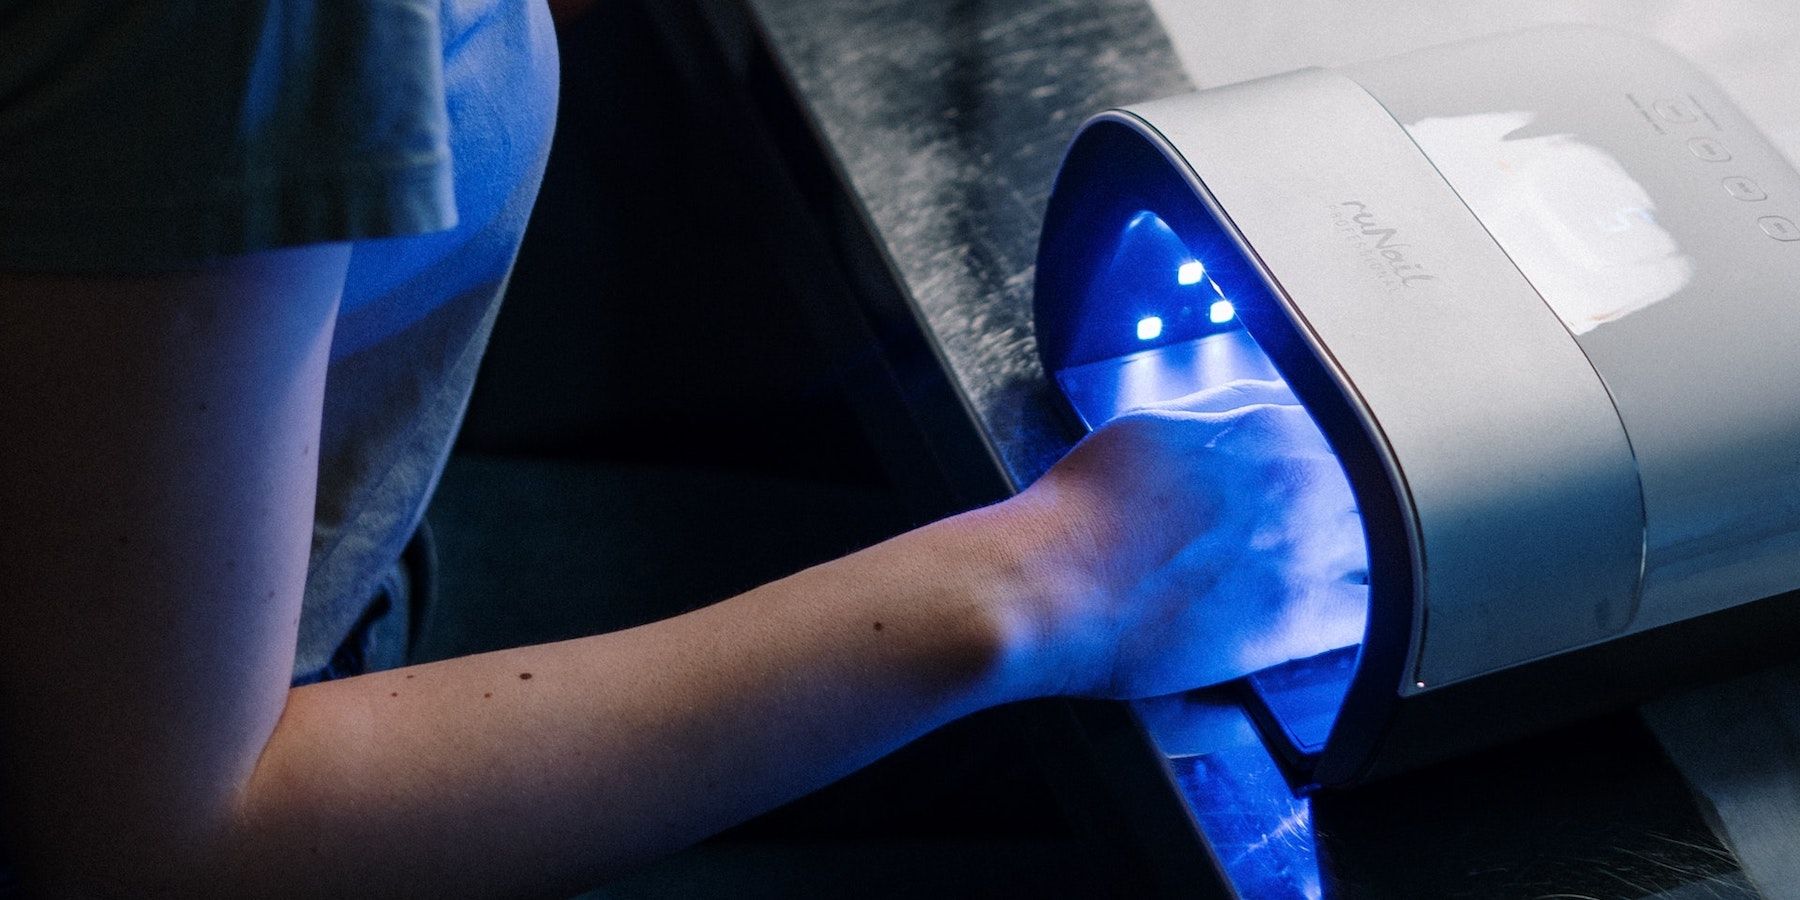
<point x="1198" y="541"/>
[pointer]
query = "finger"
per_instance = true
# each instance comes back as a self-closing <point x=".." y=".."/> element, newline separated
<point x="1276" y="432"/>
<point x="1331" y="615"/>
<point x="1327" y="532"/>
<point x="1231" y="395"/>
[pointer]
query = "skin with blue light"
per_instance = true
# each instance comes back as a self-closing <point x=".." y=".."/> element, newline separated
<point x="155" y="516"/>
<point x="1145" y="322"/>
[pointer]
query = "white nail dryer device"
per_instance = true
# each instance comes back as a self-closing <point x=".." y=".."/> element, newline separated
<point x="1541" y="294"/>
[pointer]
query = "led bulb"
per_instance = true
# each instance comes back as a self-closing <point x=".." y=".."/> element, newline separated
<point x="1221" y="312"/>
<point x="1149" y="328"/>
<point x="1190" y="272"/>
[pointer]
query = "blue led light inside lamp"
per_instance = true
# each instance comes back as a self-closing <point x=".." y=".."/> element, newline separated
<point x="1193" y="305"/>
<point x="1128" y="239"/>
<point x="1164" y="327"/>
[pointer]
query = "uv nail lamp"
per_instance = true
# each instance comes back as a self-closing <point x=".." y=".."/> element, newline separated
<point x="1541" y="294"/>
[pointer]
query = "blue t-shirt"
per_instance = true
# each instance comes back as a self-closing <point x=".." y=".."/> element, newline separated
<point x="153" y="134"/>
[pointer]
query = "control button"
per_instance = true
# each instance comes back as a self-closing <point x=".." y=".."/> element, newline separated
<point x="1677" y="111"/>
<point x="1743" y="189"/>
<point x="1708" y="149"/>
<point x="1780" y="228"/>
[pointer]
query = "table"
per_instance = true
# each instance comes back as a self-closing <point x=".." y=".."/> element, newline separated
<point x="918" y="140"/>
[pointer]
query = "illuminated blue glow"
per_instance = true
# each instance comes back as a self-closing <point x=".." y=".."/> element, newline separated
<point x="1189" y="338"/>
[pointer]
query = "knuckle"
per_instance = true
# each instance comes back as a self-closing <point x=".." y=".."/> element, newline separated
<point x="1253" y="428"/>
<point x="1136" y="426"/>
<point x="1262" y="416"/>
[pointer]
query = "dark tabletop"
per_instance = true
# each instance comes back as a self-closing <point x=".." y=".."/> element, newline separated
<point x="946" y="122"/>
<point x="949" y="120"/>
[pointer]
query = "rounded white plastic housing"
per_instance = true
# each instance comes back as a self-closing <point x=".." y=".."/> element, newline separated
<point x="1538" y="291"/>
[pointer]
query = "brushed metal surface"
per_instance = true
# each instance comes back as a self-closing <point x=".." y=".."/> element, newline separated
<point x="949" y="121"/>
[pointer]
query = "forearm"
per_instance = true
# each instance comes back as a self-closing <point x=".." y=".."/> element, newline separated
<point x="558" y="765"/>
<point x="154" y="569"/>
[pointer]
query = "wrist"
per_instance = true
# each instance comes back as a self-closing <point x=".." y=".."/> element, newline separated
<point x="1029" y="561"/>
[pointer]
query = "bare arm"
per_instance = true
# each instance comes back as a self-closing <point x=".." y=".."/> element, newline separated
<point x="559" y="765"/>
<point x="156" y="481"/>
